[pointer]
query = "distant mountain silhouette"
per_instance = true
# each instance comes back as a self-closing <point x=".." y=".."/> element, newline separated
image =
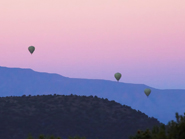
<point x="64" y="116"/>
<point x="161" y="104"/>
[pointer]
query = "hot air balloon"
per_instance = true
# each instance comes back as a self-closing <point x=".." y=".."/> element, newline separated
<point x="117" y="76"/>
<point x="147" y="91"/>
<point x="31" y="49"/>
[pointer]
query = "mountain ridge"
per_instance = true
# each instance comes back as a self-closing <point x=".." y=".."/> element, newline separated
<point x="161" y="102"/>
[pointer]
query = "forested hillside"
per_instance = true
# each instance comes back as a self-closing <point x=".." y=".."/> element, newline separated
<point x="71" y="115"/>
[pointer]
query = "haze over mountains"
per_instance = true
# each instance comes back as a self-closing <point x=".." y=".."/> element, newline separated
<point x="161" y="104"/>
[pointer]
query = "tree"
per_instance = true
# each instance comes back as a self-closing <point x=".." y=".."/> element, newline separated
<point x="29" y="136"/>
<point x="173" y="130"/>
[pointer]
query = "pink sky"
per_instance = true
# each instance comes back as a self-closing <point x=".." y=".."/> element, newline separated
<point x="144" y="40"/>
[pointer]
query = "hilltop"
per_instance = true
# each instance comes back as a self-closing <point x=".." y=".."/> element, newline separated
<point x="71" y="115"/>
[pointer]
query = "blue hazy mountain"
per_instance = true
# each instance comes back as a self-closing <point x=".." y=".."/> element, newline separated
<point x="161" y="104"/>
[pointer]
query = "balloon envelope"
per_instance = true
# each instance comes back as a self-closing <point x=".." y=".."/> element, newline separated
<point x="117" y="76"/>
<point x="147" y="91"/>
<point x="31" y="49"/>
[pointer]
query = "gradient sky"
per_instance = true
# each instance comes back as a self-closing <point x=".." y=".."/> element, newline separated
<point x="142" y="39"/>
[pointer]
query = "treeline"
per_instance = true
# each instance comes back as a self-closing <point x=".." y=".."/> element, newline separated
<point x="69" y="115"/>
<point x="173" y="130"/>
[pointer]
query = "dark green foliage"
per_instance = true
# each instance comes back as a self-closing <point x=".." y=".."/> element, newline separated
<point x="29" y="136"/>
<point x="173" y="130"/>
